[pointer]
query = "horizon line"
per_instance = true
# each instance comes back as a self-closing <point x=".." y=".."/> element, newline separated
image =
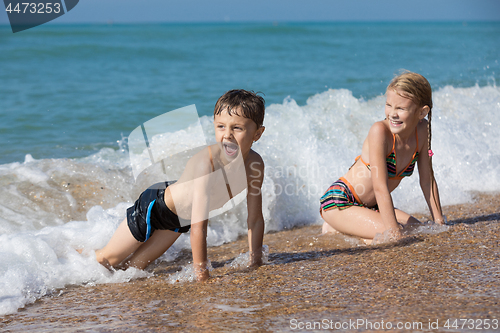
<point x="273" y="22"/>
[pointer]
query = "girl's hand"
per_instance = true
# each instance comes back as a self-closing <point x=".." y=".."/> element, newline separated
<point x="388" y="236"/>
<point x="394" y="235"/>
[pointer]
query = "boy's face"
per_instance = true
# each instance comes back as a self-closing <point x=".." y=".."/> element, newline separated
<point x="235" y="133"/>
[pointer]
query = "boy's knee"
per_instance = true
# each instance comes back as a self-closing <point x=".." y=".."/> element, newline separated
<point x="101" y="258"/>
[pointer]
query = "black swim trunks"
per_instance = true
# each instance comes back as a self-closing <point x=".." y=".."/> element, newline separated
<point x="150" y="213"/>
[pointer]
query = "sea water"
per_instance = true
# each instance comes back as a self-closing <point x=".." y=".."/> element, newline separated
<point x="71" y="95"/>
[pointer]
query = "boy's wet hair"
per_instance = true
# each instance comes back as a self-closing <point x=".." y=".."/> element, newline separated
<point x="252" y="106"/>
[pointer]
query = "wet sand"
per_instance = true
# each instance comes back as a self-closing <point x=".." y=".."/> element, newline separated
<point x="327" y="281"/>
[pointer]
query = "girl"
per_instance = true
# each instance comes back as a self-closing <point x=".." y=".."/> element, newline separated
<point x="360" y="202"/>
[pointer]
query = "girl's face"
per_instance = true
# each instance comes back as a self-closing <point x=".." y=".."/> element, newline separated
<point x="402" y="113"/>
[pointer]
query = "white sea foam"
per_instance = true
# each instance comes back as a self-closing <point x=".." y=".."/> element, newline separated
<point x="35" y="263"/>
<point x="306" y="148"/>
<point x="50" y="207"/>
<point x="186" y="274"/>
<point x="243" y="260"/>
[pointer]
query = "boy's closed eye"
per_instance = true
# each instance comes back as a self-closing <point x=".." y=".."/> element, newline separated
<point x="239" y="128"/>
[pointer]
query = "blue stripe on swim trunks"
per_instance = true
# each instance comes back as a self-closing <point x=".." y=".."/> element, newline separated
<point x="148" y="219"/>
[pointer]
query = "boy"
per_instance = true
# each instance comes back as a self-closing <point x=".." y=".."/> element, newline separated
<point x="165" y="210"/>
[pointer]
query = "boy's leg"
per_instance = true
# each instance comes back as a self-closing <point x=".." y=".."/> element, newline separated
<point x="159" y="242"/>
<point x="120" y="246"/>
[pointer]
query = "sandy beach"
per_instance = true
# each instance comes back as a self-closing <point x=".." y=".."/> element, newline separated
<point x="310" y="282"/>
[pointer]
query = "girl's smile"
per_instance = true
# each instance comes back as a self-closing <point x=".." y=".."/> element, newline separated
<point x="395" y="123"/>
<point x="401" y="113"/>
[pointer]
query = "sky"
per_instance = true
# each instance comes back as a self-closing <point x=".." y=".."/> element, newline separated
<point x="138" y="11"/>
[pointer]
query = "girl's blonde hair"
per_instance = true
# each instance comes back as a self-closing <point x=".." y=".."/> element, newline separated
<point x="413" y="86"/>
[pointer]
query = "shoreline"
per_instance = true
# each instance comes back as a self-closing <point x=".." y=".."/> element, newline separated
<point x="309" y="278"/>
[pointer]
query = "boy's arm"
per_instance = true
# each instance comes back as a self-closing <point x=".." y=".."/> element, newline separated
<point x="199" y="249"/>
<point x="429" y="189"/>
<point x="199" y="222"/>
<point x="255" y="222"/>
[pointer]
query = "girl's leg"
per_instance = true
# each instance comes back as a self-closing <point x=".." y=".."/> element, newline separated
<point x="355" y="221"/>
<point x="405" y="218"/>
<point x="362" y="222"/>
<point x="159" y="242"/>
<point x="409" y="222"/>
<point x="121" y="245"/>
<point x="328" y="229"/>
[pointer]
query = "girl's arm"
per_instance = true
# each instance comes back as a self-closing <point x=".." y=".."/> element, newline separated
<point x="255" y="221"/>
<point x="429" y="187"/>
<point x="379" y="138"/>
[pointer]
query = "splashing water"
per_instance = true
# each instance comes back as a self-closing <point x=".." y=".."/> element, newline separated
<point x="186" y="274"/>
<point x="243" y="260"/>
<point x="49" y="207"/>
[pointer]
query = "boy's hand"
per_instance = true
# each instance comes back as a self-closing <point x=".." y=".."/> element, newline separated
<point x="442" y="221"/>
<point x="201" y="271"/>
<point x="255" y="259"/>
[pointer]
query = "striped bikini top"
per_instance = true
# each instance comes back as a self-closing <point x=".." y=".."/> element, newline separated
<point x="391" y="162"/>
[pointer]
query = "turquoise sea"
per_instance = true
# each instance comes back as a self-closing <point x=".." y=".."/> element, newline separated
<point x="68" y="91"/>
<point x="72" y="94"/>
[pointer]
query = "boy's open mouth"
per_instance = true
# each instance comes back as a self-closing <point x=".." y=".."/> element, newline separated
<point x="230" y="148"/>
